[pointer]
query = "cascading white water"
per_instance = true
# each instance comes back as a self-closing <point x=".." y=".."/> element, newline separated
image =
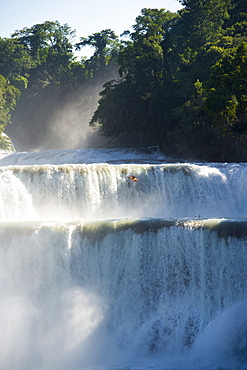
<point x="100" y="273"/>
<point x="55" y="192"/>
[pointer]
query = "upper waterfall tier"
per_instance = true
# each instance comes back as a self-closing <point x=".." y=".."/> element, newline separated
<point x="100" y="191"/>
<point x="124" y="155"/>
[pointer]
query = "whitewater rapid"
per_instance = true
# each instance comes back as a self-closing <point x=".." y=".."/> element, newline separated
<point x="101" y="273"/>
<point x="99" y="191"/>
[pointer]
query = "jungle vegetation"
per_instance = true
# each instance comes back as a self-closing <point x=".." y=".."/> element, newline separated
<point x="176" y="80"/>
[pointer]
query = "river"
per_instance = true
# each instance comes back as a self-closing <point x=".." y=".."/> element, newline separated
<point x="98" y="272"/>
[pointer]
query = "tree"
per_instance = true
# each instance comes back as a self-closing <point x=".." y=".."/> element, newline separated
<point x="45" y="38"/>
<point x="124" y="105"/>
<point x="50" y="45"/>
<point x="8" y="98"/>
<point x="226" y="98"/>
<point x="106" y="45"/>
<point x="142" y="59"/>
<point x="56" y="75"/>
<point x="181" y="82"/>
<point x="237" y="23"/>
<point x="15" y="59"/>
<point x="203" y="20"/>
<point x="122" y="113"/>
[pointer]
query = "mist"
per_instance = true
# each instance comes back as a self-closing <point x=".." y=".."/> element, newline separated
<point x="69" y="125"/>
<point x="57" y="119"/>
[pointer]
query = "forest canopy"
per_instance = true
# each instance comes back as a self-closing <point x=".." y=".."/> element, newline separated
<point x="176" y="80"/>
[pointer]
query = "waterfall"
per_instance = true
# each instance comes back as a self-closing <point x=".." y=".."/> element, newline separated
<point x="71" y="191"/>
<point x="99" y="272"/>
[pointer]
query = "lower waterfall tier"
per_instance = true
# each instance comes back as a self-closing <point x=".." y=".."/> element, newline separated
<point x="169" y="291"/>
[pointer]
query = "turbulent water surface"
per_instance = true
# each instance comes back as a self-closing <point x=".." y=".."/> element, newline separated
<point x="99" y="272"/>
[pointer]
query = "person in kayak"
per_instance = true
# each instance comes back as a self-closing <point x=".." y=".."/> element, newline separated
<point x="132" y="177"/>
<point x="129" y="180"/>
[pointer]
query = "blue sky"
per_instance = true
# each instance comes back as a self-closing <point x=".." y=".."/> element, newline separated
<point x="86" y="17"/>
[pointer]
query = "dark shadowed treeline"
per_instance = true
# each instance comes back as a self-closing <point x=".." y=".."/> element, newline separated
<point x="177" y="80"/>
<point x="183" y="82"/>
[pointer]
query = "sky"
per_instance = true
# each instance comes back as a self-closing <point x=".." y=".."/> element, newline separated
<point x="84" y="16"/>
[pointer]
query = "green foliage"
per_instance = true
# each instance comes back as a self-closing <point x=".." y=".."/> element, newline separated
<point x="15" y="59"/>
<point x="181" y="81"/>
<point x="227" y="96"/>
<point x="203" y="20"/>
<point x="124" y="105"/>
<point x="116" y="115"/>
<point x="106" y="45"/>
<point x="20" y="82"/>
<point x="47" y="39"/>
<point x="50" y="46"/>
<point x="55" y="79"/>
<point x="8" y="98"/>
<point x="189" y="71"/>
<point x="142" y="59"/>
